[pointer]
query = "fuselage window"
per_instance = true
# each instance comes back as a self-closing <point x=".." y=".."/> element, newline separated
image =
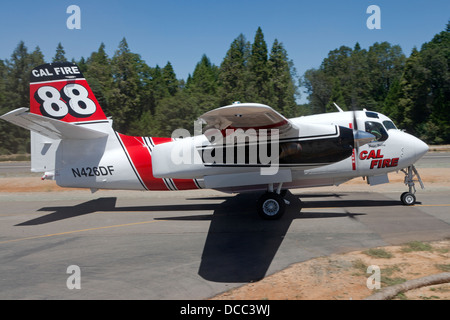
<point x="370" y="114"/>
<point x="377" y="130"/>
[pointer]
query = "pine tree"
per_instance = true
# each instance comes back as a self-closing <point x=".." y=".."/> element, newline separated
<point x="391" y="103"/>
<point x="259" y="70"/>
<point x="233" y="73"/>
<point x="413" y="93"/>
<point x="130" y="95"/>
<point x="158" y="88"/>
<point x="170" y="79"/>
<point x="60" y="54"/>
<point x="205" y="77"/>
<point x="283" y="88"/>
<point x="17" y="92"/>
<point x="97" y="70"/>
<point x="202" y="86"/>
<point x="36" y="57"/>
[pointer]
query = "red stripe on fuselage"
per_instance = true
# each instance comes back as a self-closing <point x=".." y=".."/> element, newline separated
<point x="142" y="161"/>
<point x="141" y="158"/>
<point x="185" y="184"/>
<point x="181" y="184"/>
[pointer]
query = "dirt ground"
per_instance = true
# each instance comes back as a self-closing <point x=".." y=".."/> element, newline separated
<point x="339" y="276"/>
<point x="344" y="276"/>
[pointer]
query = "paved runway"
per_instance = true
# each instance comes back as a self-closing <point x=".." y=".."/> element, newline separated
<point x="188" y="245"/>
<point x="193" y="244"/>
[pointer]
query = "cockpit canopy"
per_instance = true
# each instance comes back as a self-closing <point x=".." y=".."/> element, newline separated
<point x="379" y="126"/>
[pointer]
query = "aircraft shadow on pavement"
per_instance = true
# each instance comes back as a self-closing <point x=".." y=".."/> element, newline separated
<point x="67" y="212"/>
<point x="105" y="204"/>
<point x="239" y="246"/>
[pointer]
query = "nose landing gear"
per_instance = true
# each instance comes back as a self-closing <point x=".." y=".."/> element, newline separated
<point x="411" y="176"/>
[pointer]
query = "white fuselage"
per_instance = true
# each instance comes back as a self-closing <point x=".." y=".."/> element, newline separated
<point x="123" y="162"/>
<point x="393" y="150"/>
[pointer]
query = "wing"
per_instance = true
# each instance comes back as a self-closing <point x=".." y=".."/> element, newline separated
<point x="247" y="116"/>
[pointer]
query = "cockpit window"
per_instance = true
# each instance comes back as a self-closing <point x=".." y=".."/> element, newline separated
<point x="389" y="125"/>
<point x="377" y="130"/>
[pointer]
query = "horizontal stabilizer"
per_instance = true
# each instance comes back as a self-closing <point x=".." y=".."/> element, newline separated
<point x="49" y="127"/>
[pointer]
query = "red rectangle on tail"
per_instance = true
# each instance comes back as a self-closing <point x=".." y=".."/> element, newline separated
<point x="60" y="91"/>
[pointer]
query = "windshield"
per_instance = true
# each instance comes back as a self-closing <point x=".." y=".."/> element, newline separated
<point x="389" y="125"/>
<point x="377" y="130"/>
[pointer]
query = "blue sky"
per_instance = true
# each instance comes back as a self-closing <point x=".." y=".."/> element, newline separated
<point x="181" y="31"/>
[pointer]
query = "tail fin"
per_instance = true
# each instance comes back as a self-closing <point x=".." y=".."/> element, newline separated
<point x="60" y="91"/>
<point x="60" y="99"/>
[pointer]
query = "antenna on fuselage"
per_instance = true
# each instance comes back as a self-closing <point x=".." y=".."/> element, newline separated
<point x="339" y="108"/>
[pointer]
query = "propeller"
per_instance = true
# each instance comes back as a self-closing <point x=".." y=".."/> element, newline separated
<point x="360" y="137"/>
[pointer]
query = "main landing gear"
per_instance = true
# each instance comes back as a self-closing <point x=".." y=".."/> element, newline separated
<point x="411" y="175"/>
<point x="271" y="205"/>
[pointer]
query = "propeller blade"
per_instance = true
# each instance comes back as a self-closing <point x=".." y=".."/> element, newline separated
<point x="355" y="123"/>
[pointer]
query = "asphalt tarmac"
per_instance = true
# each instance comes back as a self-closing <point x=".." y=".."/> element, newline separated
<point x="191" y="244"/>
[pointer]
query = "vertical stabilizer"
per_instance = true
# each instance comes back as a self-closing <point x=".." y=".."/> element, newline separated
<point x="60" y="91"/>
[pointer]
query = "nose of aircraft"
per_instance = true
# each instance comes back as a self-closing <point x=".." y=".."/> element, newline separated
<point x="412" y="148"/>
<point x="420" y="148"/>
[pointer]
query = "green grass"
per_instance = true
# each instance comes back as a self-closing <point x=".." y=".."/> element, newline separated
<point x="443" y="267"/>
<point x="417" y="246"/>
<point x="360" y="267"/>
<point x="378" y="253"/>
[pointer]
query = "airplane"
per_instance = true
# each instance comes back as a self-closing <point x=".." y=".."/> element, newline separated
<point x="244" y="147"/>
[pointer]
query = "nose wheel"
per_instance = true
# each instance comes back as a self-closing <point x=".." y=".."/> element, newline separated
<point x="411" y="176"/>
<point x="408" y="199"/>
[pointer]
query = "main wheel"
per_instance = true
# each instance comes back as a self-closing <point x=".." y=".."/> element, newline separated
<point x="271" y="206"/>
<point x="408" y="199"/>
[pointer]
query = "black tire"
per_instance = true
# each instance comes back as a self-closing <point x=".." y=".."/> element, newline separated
<point x="408" y="199"/>
<point x="271" y="206"/>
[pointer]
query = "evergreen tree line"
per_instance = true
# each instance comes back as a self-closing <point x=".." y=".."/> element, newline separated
<point x="151" y="101"/>
<point x="413" y="91"/>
